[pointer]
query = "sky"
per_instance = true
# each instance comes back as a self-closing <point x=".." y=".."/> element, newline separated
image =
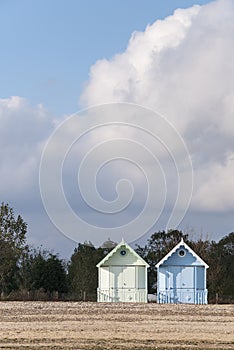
<point x="160" y="74"/>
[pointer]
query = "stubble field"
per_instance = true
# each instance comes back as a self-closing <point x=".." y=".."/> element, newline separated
<point x="93" y="326"/>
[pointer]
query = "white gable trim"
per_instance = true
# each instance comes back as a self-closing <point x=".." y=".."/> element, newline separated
<point x="181" y="244"/>
<point x="121" y="244"/>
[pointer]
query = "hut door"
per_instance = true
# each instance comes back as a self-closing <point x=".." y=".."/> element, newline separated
<point x="180" y="284"/>
<point x="187" y="284"/>
<point x="115" y="282"/>
<point x="187" y="277"/>
<point x="128" y="277"/>
<point x="122" y="283"/>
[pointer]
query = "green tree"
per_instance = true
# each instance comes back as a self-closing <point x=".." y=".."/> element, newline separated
<point x="12" y="248"/>
<point x="82" y="271"/>
<point x="227" y="284"/>
<point x="56" y="275"/>
<point x="44" y="270"/>
<point x="202" y="248"/>
<point x="221" y="270"/>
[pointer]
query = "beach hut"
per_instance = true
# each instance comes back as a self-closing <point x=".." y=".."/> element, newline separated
<point x="122" y="276"/>
<point x="181" y="277"/>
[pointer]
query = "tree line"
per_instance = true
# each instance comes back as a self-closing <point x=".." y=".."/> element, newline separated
<point x="28" y="273"/>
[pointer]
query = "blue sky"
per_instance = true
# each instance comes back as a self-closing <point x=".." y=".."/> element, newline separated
<point x="47" y="47"/>
<point x="58" y="56"/>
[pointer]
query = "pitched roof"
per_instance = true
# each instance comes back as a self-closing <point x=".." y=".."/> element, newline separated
<point x="181" y="244"/>
<point x="122" y="244"/>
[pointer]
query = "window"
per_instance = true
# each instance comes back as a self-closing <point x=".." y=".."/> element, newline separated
<point x="181" y="253"/>
<point x="123" y="252"/>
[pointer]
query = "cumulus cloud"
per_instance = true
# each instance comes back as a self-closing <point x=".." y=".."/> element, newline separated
<point x="183" y="68"/>
<point x="216" y="192"/>
<point x="23" y="131"/>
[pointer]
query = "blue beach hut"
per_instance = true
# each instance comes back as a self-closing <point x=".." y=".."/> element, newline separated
<point x="181" y="277"/>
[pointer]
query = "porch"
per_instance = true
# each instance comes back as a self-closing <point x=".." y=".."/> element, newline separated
<point x="182" y="296"/>
<point x="122" y="295"/>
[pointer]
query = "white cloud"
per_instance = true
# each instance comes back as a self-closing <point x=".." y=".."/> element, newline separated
<point x="128" y="76"/>
<point x="23" y="130"/>
<point x="183" y="68"/>
<point x="216" y="192"/>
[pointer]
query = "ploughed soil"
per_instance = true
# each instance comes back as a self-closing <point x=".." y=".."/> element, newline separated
<point x="125" y="326"/>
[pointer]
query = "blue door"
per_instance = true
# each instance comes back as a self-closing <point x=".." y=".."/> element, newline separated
<point x="180" y="284"/>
